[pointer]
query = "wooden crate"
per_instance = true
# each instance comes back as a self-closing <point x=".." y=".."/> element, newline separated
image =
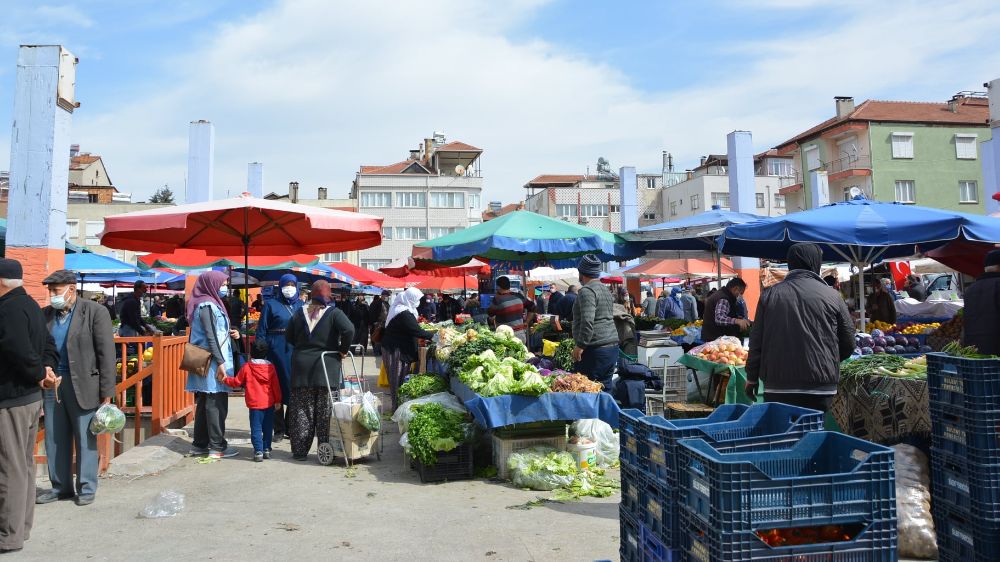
<point x="680" y="410"/>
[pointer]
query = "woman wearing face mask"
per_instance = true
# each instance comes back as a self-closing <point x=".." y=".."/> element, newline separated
<point x="206" y="314"/>
<point x="273" y="324"/>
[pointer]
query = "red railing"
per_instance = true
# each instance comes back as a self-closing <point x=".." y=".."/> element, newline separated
<point x="169" y="402"/>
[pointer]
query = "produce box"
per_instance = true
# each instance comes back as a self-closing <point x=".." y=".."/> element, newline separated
<point x="966" y="486"/>
<point x="345" y="416"/>
<point x="357" y="446"/>
<point x="965" y="382"/>
<point x="684" y="410"/>
<point x="883" y="409"/>
<point x="455" y="464"/>
<point x="504" y="447"/>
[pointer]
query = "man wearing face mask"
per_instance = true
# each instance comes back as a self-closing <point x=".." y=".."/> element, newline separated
<point x="84" y="339"/>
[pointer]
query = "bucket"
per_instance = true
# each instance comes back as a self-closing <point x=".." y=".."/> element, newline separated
<point x="585" y="454"/>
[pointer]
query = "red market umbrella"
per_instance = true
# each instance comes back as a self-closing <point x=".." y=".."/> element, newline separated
<point x="405" y="266"/>
<point x="612" y="280"/>
<point x="656" y="269"/>
<point x="367" y="276"/>
<point x="185" y="259"/>
<point x="440" y="284"/>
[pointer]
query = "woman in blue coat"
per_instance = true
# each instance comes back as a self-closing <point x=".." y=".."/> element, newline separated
<point x="274" y="319"/>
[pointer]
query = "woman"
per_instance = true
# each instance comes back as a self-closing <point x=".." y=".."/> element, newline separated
<point x="206" y="314"/>
<point x="316" y="328"/>
<point x="273" y="324"/>
<point x="359" y="317"/>
<point x="399" y="343"/>
<point x="880" y="305"/>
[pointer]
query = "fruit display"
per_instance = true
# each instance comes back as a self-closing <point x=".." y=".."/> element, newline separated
<point x="917" y="328"/>
<point x="893" y="343"/>
<point x="946" y="333"/>
<point x="880" y="325"/>
<point x="725" y="350"/>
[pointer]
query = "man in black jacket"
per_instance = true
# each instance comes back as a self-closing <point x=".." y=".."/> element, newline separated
<point x="29" y="357"/>
<point x="802" y="332"/>
<point x="982" y="309"/>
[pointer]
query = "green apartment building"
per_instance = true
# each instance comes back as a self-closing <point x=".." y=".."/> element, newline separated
<point x="912" y="152"/>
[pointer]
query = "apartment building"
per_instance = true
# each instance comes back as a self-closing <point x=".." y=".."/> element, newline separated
<point x="924" y="153"/>
<point x="437" y="190"/>
<point x="323" y="200"/>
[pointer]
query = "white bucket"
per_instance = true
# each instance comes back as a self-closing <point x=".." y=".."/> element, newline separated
<point x="585" y="454"/>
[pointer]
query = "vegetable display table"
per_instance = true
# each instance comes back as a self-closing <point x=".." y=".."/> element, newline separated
<point x="883" y="409"/>
<point x="737" y="378"/>
<point x="510" y="409"/>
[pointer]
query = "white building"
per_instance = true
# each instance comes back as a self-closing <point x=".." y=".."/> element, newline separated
<point x="436" y="191"/>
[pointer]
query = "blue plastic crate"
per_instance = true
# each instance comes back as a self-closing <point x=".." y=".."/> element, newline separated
<point x="631" y="492"/>
<point x="633" y="439"/>
<point x="630" y="547"/>
<point x="877" y="542"/>
<point x="826" y="478"/>
<point x="658" y="511"/>
<point x="653" y="549"/>
<point x="973" y="384"/>
<point x="966" y="486"/>
<point x="963" y="538"/>
<point x="963" y="432"/>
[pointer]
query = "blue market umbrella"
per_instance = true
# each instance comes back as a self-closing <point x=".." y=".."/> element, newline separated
<point x="96" y="264"/>
<point x="859" y="232"/>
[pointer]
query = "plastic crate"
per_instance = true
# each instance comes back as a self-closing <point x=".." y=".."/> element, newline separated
<point x="630" y="547"/>
<point x="656" y="402"/>
<point x="653" y="549"/>
<point x="963" y="432"/>
<point x="876" y="543"/>
<point x="633" y="445"/>
<point x="966" y="486"/>
<point x="452" y="465"/>
<point x="973" y="384"/>
<point x="963" y="538"/>
<point x="826" y="478"/>
<point x="504" y="446"/>
<point x="657" y="510"/>
<point x="632" y="489"/>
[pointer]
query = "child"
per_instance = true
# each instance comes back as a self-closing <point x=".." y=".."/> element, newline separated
<point x="263" y="394"/>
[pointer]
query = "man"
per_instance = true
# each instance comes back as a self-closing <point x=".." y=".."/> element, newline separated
<point x="507" y="309"/>
<point x="174" y="307"/>
<point x="649" y="305"/>
<point x="28" y="358"/>
<point x="132" y="324"/>
<point x="915" y="288"/>
<point x="720" y="312"/>
<point x="554" y="297"/>
<point x="690" y="305"/>
<point x="85" y="342"/>
<point x="832" y="281"/>
<point x="541" y="302"/>
<point x="594" y="331"/>
<point x="805" y="310"/>
<point x="881" y="305"/>
<point x="377" y="312"/>
<point x="155" y="308"/>
<point x="567" y="303"/>
<point x="982" y="309"/>
<point x="661" y="304"/>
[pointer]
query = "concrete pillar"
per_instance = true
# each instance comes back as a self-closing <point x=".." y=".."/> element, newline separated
<point x="743" y="199"/>
<point x="991" y="151"/>
<point x="629" y="198"/>
<point x="201" y="162"/>
<point x="819" y="188"/>
<point x="255" y="179"/>
<point x="39" y="162"/>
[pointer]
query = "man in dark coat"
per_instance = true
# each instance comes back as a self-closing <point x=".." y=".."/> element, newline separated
<point x="359" y="317"/>
<point x="721" y="309"/>
<point x="566" y="303"/>
<point x="982" y="309"/>
<point x="803" y="331"/>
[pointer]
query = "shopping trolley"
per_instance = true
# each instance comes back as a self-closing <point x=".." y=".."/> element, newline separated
<point x="348" y="438"/>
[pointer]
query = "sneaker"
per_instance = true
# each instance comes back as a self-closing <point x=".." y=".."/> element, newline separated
<point x="267" y="454"/>
<point x="51" y="496"/>
<point x="85" y="499"/>
<point x="198" y="451"/>
<point x="228" y="453"/>
<point x="258" y="457"/>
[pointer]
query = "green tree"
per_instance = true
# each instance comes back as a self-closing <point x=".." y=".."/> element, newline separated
<point x="163" y="196"/>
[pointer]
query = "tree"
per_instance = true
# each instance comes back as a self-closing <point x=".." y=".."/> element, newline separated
<point x="163" y="196"/>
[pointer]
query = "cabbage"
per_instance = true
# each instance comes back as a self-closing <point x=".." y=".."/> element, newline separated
<point x="542" y="468"/>
<point x="504" y="330"/>
<point x="501" y="383"/>
<point x="533" y="385"/>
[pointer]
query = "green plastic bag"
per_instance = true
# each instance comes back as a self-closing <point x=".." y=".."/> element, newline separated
<point x="107" y="419"/>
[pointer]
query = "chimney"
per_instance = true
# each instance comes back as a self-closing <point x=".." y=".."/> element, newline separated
<point x="415" y="154"/>
<point x="293" y="191"/>
<point x="666" y="162"/>
<point x="74" y="150"/>
<point x="845" y="106"/>
<point x="670" y="162"/>
<point x="321" y="193"/>
<point x="703" y="160"/>
<point x="428" y="149"/>
<point x="953" y="104"/>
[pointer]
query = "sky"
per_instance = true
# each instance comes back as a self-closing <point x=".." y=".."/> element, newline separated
<point x="316" y="88"/>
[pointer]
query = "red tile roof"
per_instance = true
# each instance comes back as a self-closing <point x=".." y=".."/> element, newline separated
<point x="508" y="208"/>
<point x="457" y="146"/>
<point x="556" y="179"/>
<point x="396" y="168"/>
<point x="82" y="161"/>
<point x="969" y="111"/>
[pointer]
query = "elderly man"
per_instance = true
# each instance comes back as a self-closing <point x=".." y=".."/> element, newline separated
<point x="594" y="332"/>
<point x="85" y="341"/>
<point x="28" y="357"/>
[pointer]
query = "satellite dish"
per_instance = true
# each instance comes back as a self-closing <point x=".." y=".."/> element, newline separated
<point x="460" y="170"/>
<point x="856" y="193"/>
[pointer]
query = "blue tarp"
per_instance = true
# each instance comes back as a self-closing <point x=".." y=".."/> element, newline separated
<point x="501" y="411"/>
<point x="95" y="264"/>
<point x="694" y="233"/>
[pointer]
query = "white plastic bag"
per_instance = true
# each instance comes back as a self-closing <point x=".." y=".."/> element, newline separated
<point x="368" y="414"/>
<point x="107" y="419"/>
<point x="602" y="434"/>
<point x="404" y="413"/>
<point x="167" y="503"/>
<point x="917" y="538"/>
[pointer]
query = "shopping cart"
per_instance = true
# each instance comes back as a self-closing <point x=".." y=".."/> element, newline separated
<point x="348" y="438"/>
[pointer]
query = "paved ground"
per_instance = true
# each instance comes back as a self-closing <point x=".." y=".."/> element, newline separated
<point x="282" y="509"/>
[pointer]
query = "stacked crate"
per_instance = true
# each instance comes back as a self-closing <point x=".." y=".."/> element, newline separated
<point x="674" y="390"/>
<point x="649" y="460"/>
<point x="965" y="456"/>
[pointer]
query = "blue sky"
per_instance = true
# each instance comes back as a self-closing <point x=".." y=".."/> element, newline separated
<point x="316" y="88"/>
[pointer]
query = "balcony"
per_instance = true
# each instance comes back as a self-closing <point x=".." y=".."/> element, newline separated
<point x="848" y="166"/>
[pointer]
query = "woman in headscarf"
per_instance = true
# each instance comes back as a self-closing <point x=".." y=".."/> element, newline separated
<point x="674" y="308"/>
<point x="399" y="342"/>
<point x="316" y="328"/>
<point x="206" y="314"/>
<point x="273" y="324"/>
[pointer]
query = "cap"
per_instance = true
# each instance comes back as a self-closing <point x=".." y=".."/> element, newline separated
<point x="60" y="277"/>
<point x="10" y="269"/>
<point x="590" y="265"/>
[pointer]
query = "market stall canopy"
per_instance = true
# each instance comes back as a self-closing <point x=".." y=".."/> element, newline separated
<point x="405" y="266"/>
<point x="696" y="233"/>
<point x="443" y="284"/>
<point x="655" y="269"/>
<point x="365" y="276"/>
<point x="96" y="264"/>
<point x="548" y="274"/>
<point x="529" y="238"/>
<point x="187" y="259"/>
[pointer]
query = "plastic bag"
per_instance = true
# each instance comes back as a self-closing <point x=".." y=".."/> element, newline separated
<point x="542" y="468"/>
<point x="601" y="433"/>
<point x="107" y="419"/>
<point x="915" y="525"/>
<point x="404" y="413"/>
<point x="368" y="415"/>
<point x="714" y="344"/>
<point x="383" y="377"/>
<point x="167" y="503"/>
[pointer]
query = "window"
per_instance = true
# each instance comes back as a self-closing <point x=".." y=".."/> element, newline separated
<point x="387" y="233"/>
<point x="779" y="167"/>
<point x="695" y="203"/>
<point x="965" y="147"/>
<point x="93" y="229"/>
<point x="968" y="192"/>
<point x="593" y="210"/>
<point x="905" y="191"/>
<point x="812" y="158"/>
<point x="673" y="208"/>
<point x="447" y="200"/>
<point x="651" y="183"/>
<point x="412" y="200"/>
<point x="91" y="198"/>
<point x="566" y="210"/>
<point x="616" y="208"/>
<point x="779" y="201"/>
<point x="473" y="200"/>
<point x="335" y="256"/>
<point x="649" y="216"/>
<point x="72" y="228"/>
<point x="760" y="200"/>
<point x="721" y="199"/>
<point x="374" y="265"/>
<point x="439" y="231"/>
<point x="411" y="233"/>
<point x="376" y="199"/>
<point x="902" y="145"/>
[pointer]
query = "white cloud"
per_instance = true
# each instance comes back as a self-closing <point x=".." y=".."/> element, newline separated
<point x="314" y="92"/>
<point x="63" y="14"/>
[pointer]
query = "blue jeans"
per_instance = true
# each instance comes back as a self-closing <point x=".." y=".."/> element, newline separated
<point x="67" y="426"/>
<point x="598" y="364"/>
<point x="261" y="429"/>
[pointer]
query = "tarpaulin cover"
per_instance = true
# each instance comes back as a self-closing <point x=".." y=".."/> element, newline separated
<point x="500" y="411"/>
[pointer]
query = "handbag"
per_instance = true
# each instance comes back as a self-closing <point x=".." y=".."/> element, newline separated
<point x="377" y="333"/>
<point x="196" y="359"/>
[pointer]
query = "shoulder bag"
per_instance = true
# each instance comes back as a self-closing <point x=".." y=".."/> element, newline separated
<point x="196" y="359"/>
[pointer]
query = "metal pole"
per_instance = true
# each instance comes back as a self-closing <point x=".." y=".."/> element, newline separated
<point x="861" y="292"/>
